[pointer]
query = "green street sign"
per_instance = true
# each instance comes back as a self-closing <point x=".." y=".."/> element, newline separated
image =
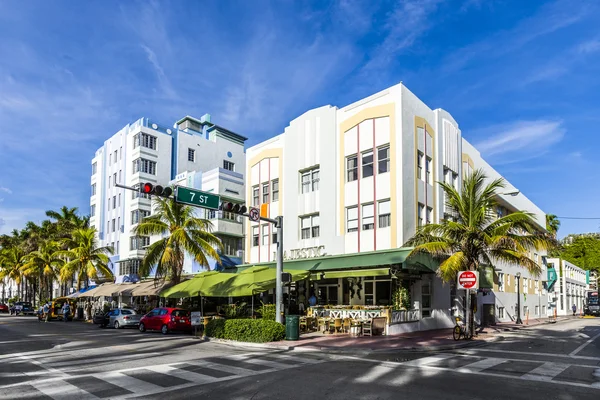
<point x="198" y="198"/>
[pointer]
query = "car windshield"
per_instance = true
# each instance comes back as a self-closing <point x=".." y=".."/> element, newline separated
<point x="127" y="312"/>
<point x="181" y="313"/>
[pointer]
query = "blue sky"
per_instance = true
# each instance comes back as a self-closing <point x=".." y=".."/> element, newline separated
<point x="520" y="77"/>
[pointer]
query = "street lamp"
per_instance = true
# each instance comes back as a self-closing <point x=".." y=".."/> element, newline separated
<point x="518" y="276"/>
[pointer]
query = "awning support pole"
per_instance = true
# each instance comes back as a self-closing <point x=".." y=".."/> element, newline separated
<point x="279" y="271"/>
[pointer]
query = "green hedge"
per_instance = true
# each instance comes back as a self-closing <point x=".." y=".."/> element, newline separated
<point x="245" y="330"/>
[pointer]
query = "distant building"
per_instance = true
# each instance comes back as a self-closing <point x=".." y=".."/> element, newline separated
<point x="569" y="289"/>
<point x="195" y="153"/>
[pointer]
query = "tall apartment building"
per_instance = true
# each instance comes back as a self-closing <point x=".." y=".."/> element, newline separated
<point x="353" y="184"/>
<point x="569" y="289"/>
<point x="195" y="153"/>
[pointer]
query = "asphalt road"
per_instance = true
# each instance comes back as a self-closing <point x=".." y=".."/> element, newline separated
<point x="73" y="360"/>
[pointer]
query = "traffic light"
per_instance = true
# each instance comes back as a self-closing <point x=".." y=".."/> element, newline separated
<point x="148" y="188"/>
<point x="233" y="207"/>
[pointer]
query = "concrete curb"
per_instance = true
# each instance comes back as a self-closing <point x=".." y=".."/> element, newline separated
<point x="352" y="350"/>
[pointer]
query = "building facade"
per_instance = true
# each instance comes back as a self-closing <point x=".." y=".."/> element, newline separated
<point x="194" y="152"/>
<point x="353" y="184"/>
<point x="570" y="288"/>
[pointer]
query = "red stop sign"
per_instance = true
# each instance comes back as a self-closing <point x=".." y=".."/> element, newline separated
<point x="467" y="279"/>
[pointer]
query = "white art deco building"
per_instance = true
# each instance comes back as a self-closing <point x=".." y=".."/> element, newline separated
<point x="353" y="183"/>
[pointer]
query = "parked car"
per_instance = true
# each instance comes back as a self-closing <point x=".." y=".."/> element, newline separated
<point x="22" y="307"/>
<point x="3" y="308"/>
<point x="102" y="319"/>
<point x="122" y="317"/>
<point x="166" y="320"/>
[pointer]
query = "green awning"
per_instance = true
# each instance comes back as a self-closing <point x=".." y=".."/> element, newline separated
<point x="358" y="260"/>
<point x="194" y="287"/>
<point x="353" y="273"/>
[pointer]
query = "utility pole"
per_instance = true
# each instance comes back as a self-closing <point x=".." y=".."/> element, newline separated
<point x="279" y="270"/>
<point x="518" y="276"/>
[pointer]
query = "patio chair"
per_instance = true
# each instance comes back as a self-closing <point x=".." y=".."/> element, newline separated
<point x="337" y="325"/>
<point x="321" y="323"/>
<point x="367" y="328"/>
<point x="347" y="322"/>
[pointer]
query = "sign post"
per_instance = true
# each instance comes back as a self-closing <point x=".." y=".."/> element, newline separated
<point x="195" y="318"/>
<point x="468" y="280"/>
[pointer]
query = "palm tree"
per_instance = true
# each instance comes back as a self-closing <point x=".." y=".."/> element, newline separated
<point x="84" y="258"/>
<point x="44" y="264"/>
<point x="476" y="236"/>
<point x="182" y="233"/>
<point x="552" y="224"/>
<point x="11" y="262"/>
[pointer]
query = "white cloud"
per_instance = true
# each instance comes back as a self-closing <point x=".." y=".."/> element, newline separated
<point x="16" y="218"/>
<point x="5" y="189"/>
<point x="520" y="141"/>
<point x="589" y="46"/>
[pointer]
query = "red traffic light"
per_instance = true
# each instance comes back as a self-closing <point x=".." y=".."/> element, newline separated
<point x="147" y="188"/>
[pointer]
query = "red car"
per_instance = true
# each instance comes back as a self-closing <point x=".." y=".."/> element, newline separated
<point x="166" y="320"/>
<point x="3" y="308"/>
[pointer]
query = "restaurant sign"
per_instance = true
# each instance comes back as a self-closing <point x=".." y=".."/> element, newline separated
<point x="297" y="254"/>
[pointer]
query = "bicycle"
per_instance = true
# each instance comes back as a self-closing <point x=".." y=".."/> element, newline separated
<point x="460" y="330"/>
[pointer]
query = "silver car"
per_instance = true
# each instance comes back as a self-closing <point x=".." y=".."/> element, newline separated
<point x="122" y="317"/>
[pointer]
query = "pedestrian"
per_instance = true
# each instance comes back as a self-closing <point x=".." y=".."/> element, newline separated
<point x="574" y="308"/>
<point x="312" y="300"/>
<point x="66" y="309"/>
<point x="46" y="311"/>
<point x="88" y="309"/>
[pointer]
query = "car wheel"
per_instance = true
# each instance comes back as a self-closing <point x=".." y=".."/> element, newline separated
<point x="142" y="328"/>
<point x="164" y="330"/>
<point x="116" y="325"/>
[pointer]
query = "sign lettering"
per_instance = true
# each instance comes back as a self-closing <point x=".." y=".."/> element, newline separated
<point x="297" y="254"/>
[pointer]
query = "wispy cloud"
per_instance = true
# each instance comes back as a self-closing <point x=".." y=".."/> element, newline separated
<point x="589" y="46"/>
<point x="520" y="141"/>
<point x="5" y="189"/>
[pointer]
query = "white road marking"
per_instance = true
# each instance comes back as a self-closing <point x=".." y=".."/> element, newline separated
<point x="62" y="390"/>
<point x="193" y="377"/>
<point x="374" y="373"/>
<point x="546" y="371"/>
<point x="577" y="350"/>
<point x="427" y="360"/>
<point x="527" y="353"/>
<point x="480" y="365"/>
<point x="128" y="382"/>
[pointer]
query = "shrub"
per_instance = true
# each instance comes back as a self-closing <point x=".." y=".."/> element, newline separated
<point x="246" y="330"/>
<point x="235" y="310"/>
<point x="267" y="311"/>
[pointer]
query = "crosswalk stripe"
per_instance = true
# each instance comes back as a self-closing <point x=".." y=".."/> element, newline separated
<point x="224" y="367"/>
<point x="183" y="374"/>
<point x="129" y="383"/>
<point x="480" y="365"/>
<point x="427" y="360"/>
<point x="259" y="361"/>
<point x="62" y="390"/>
<point x="545" y="372"/>
<point x="374" y="373"/>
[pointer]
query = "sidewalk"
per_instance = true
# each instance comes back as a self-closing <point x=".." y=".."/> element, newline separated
<point x="433" y="340"/>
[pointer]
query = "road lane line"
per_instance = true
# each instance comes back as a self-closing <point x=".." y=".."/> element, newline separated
<point x="480" y="365"/>
<point x="374" y="373"/>
<point x="427" y="360"/>
<point x="527" y="353"/>
<point x="62" y="390"/>
<point x="546" y="371"/>
<point x="577" y="350"/>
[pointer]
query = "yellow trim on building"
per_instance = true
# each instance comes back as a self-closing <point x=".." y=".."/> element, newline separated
<point x="263" y="155"/>
<point x="420" y="122"/>
<point x="384" y="110"/>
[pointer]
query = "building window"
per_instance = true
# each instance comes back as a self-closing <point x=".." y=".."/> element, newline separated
<point x="275" y="193"/>
<point x="447" y="176"/>
<point x="228" y="165"/>
<point x="543" y="310"/>
<point x="419" y="165"/>
<point x="109" y="181"/>
<point x="116" y="155"/>
<point x="119" y="200"/>
<point x="384" y="214"/>
<point x="144" y="140"/>
<point x="367" y="164"/>
<point x="265" y="193"/>
<point x="139" y="242"/>
<point x="191" y="155"/>
<point x="92" y="210"/>
<point x="426" y="300"/>
<point x="429" y="215"/>
<point x="309" y="227"/>
<point x="537" y="310"/>
<point x="455" y="180"/>
<point x="500" y="312"/>
<point x="114" y="202"/>
<point x="93" y="189"/>
<point x="265" y="235"/>
<point x="108" y="202"/>
<point x="255" y="196"/>
<point x="255" y="238"/>
<point x="383" y="159"/>
<point x="121" y="153"/>
<point x="115" y="178"/>
<point x="138" y="216"/>
<point x="368" y="219"/>
<point x="119" y="176"/>
<point x="143" y="165"/>
<point x="130" y="267"/>
<point x="114" y="224"/>
<point x="309" y="180"/>
<point x="537" y="287"/>
<point x="352" y="219"/>
<point x="231" y="245"/>
<point x="526" y="311"/>
<point x="421" y="214"/>
<point x="428" y="170"/>
<point x="501" y="281"/>
<point x="352" y="168"/>
<point x="94" y="168"/>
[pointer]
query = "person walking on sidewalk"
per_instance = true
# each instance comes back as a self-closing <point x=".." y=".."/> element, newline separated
<point x="574" y="308"/>
<point x="46" y="312"/>
<point x="66" y="309"/>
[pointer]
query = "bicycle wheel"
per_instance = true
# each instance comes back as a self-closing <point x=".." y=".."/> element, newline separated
<point x="457" y="332"/>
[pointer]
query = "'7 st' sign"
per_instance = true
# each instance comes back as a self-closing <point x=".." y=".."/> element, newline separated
<point x="197" y="198"/>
